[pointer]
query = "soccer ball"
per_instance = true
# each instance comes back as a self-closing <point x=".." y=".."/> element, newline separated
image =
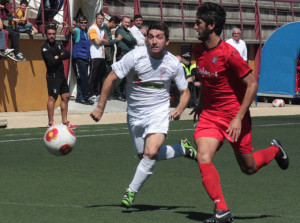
<point x="278" y="103"/>
<point x="59" y="140"/>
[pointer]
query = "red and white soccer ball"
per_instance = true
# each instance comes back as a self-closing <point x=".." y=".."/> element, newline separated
<point x="59" y="140"/>
<point x="278" y="103"/>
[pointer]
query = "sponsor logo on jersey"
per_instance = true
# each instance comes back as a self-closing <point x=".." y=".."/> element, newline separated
<point x="205" y="73"/>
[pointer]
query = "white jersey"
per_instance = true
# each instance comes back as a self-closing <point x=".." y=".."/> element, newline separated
<point x="149" y="80"/>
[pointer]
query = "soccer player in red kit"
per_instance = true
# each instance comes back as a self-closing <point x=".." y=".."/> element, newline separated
<point x="228" y="88"/>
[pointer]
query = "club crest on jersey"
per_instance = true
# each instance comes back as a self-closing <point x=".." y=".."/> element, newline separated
<point x="215" y="59"/>
<point x="162" y="71"/>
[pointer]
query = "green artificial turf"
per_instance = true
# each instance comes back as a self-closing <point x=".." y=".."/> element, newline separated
<point x="87" y="185"/>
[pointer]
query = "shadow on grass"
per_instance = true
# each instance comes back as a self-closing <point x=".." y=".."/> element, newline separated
<point x="141" y="207"/>
<point x="200" y="216"/>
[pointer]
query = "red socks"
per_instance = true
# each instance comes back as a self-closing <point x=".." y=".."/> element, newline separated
<point x="211" y="182"/>
<point x="264" y="156"/>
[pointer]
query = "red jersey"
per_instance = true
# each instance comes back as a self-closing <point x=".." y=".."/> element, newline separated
<point x="220" y="71"/>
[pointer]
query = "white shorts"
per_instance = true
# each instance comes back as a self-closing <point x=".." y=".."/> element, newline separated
<point x="140" y="127"/>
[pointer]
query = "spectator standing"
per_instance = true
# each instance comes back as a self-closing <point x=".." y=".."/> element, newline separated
<point x="238" y="43"/>
<point x="24" y="26"/>
<point x="12" y="34"/>
<point x="98" y="67"/>
<point x="123" y="46"/>
<point x="137" y="30"/>
<point x="110" y="48"/>
<point x="54" y="53"/>
<point x="81" y="57"/>
<point x="190" y="70"/>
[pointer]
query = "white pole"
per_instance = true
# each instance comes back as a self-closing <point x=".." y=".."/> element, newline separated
<point x="101" y="5"/>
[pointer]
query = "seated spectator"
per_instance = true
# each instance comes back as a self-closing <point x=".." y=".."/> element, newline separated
<point x="51" y="8"/>
<point x="24" y="26"/>
<point x="4" y="51"/>
<point x="12" y="34"/>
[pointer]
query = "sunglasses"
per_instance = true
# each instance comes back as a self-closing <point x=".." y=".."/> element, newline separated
<point x="84" y="23"/>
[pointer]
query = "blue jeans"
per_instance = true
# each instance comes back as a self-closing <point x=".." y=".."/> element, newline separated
<point x="83" y="78"/>
<point x="22" y="28"/>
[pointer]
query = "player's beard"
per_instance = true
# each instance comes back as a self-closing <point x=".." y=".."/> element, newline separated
<point x="205" y="35"/>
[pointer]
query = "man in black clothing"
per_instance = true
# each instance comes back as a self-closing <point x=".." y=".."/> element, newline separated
<point x="54" y="53"/>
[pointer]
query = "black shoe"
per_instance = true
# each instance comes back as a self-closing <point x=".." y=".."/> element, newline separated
<point x="282" y="158"/>
<point x="82" y="102"/>
<point x="220" y="217"/>
<point x="120" y="98"/>
<point x="89" y="102"/>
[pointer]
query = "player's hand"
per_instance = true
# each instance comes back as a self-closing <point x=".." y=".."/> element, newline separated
<point x="234" y="129"/>
<point x="175" y="115"/>
<point x="96" y="114"/>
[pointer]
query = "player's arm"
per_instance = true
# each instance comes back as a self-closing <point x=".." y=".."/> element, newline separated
<point x="183" y="102"/>
<point x="235" y="126"/>
<point x="97" y="113"/>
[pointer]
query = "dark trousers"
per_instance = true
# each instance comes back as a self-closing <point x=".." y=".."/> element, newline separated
<point x="97" y="76"/>
<point x="82" y="70"/>
<point x="14" y="38"/>
<point x="121" y="84"/>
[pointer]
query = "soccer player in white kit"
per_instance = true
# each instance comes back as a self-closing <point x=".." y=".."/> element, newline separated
<point x="149" y="70"/>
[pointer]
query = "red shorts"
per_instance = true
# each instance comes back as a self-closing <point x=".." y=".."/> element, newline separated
<point x="215" y="127"/>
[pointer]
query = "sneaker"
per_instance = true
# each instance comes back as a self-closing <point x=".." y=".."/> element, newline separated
<point x="97" y="98"/>
<point x="68" y="124"/>
<point x="220" y="217"/>
<point x="51" y="124"/>
<point x="20" y="57"/>
<point x="90" y="102"/>
<point x="190" y="152"/>
<point x="12" y="56"/>
<point x="7" y="51"/>
<point x="128" y="198"/>
<point x="93" y="98"/>
<point x="82" y="102"/>
<point x="282" y="158"/>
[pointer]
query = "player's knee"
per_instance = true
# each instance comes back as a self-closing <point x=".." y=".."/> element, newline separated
<point x="151" y="154"/>
<point x="203" y="158"/>
<point x="248" y="170"/>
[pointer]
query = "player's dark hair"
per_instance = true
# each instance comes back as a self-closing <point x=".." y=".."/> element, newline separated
<point x="160" y="26"/>
<point x="25" y="2"/>
<point x="99" y="13"/>
<point x="51" y="26"/>
<point x="212" y="13"/>
<point x="138" y="16"/>
<point x="115" y="19"/>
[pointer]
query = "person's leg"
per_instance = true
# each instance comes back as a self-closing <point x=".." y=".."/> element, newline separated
<point x="64" y="106"/>
<point x="93" y="77"/>
<point x="50" y="108"/>
<point x="14" y="38"/>
<point x="77" y="71"/>
<point x="2" y="41"/>
<point x="250" y="163"/>
<point x="6" y="37"/>
<point x="206" y="149"/>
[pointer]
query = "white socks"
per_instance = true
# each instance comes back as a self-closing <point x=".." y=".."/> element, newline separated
<point x="142" y="173"/>
<point x="169" y="152"/>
